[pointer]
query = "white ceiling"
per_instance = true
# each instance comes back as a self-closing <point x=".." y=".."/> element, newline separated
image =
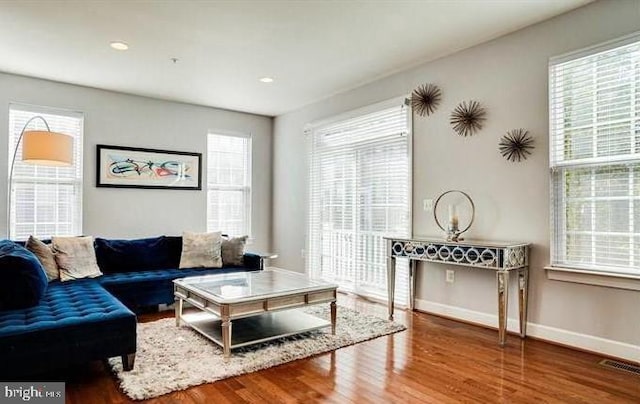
<point x="313" y="49"/>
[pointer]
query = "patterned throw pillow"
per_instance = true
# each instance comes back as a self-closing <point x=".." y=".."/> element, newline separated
<point x="233" y="251"/>
<point x="201" y="250"/>
<point x="75" y="257"/>
<point x="46" y="257"/>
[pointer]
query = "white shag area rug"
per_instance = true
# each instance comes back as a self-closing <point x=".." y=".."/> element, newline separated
<point x="171" y="358"/>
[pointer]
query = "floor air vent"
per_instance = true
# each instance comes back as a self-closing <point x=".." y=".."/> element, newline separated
<point x="627" y="367"/>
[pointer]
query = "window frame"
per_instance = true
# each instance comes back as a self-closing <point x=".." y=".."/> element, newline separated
<point x="591" y="273"/>
<point x="78" y="163"/>
<point x="402" y="288"/>
<point x="247" y="189"/>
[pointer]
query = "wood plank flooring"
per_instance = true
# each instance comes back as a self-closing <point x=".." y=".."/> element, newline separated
<point x="435" y="361"/>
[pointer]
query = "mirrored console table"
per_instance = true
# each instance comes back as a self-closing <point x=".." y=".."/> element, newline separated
<point x="501" y="257"/>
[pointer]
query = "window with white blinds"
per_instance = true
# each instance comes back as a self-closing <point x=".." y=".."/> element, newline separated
<point x="360" y="185"/>
<point x="595" y="158"/>
<point x="229" y="184"/>
<point x="46" y="201"/>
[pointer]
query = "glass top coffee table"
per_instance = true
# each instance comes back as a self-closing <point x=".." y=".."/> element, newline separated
<point x="262" y="305"/>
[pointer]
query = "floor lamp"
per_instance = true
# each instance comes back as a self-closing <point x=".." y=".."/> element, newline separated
<point x="41" y="148"/>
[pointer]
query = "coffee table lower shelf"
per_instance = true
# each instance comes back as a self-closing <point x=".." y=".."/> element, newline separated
<point x="255" y="329"/>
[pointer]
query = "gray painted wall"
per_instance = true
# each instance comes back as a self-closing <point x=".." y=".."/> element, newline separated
<point x="509" y="77"/>
<point x="121" y="119"/>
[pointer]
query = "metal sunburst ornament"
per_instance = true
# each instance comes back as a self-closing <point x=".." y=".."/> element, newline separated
<point x="467" y="118"/>
<point x="425" y="99"/>
<point x="516" y="145"/>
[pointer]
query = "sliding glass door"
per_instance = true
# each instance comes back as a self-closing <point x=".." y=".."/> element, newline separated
<point x="360" y="181"/>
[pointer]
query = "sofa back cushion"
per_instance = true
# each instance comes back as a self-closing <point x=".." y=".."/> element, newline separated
<point x="45" y="255"/>
<point x="76" y="257"/>
<point x="23" y="280"/>
<point x="201" y="250"/>
<point x="233" y="251"/>
<point x="138" y="255"/>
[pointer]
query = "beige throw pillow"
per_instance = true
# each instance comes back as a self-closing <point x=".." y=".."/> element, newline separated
<point x="233" y="251"/>
<point x="75" y="257"/>
<point x="46" y="257"/>
<point x="201" y="250"/>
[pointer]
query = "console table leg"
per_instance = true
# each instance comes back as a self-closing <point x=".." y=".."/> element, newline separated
<point x="226" y="336"/>
<point x="503" y="299"/>
<point x="523" y="286"/>
<point x="333" y="318"/>
<point x="412" y="283"/>
<point x="391" y="283"/>
<point x="178" y="310"/>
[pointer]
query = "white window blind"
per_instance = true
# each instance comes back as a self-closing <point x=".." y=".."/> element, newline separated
<point x="229" y="184"/>
<point x="360" y="184"/>
<point x="46" y="201"/>
<point x="595" y="158"/>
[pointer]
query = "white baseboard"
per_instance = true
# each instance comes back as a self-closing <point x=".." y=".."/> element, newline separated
<point x="586" y="342"/>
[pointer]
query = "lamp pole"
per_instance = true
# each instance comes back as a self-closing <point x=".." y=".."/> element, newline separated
<point x="13" y="162"/>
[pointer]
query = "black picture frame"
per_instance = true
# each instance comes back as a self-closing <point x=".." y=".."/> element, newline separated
<point x="134" y="167"/>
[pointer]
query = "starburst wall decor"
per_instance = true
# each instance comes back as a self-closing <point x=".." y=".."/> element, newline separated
<point x="516" y="145"/>
<point x="467" y="118"/>
<point x="425" y="99"/>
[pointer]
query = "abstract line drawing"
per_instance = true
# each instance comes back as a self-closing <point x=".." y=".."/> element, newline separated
<point x="123" y="167"/>
<point x="130" y="167"/>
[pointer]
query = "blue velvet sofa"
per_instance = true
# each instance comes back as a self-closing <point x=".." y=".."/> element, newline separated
<point x="90" y="319"/>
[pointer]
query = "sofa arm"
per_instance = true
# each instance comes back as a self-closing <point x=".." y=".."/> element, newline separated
<point x="253" y="262"/>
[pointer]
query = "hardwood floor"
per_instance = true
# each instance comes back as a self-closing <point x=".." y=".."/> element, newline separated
<point x="435" y="361"/>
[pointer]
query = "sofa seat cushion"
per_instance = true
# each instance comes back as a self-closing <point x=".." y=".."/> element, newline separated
<point x="137" y="255"/>
<point x="66" y="305"/>
<point x="147" y="288"/>
<point x="74" y="322"/>
<point x="126" y="278"/>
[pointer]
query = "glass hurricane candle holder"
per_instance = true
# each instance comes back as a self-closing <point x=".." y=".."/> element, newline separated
<point x="453" y="232"/>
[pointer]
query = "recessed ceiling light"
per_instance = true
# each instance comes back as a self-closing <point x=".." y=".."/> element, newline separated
<point x="118" y="45"/>
<point x="266" y="79"/>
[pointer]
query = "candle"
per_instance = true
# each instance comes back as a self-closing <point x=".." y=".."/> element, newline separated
<point x="453" y="217"/>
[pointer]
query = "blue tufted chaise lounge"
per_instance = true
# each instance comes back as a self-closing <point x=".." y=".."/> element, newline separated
<point x="89" y="319"/>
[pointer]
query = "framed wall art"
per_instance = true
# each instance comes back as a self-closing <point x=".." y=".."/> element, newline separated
<point x="134" y="167"/>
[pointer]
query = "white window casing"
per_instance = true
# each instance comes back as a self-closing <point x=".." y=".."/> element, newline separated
<point x="359" y="192"/>
<point x="594" y="112"/>
<point x="46" y="201"/>
<point x="229" y="183"/>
